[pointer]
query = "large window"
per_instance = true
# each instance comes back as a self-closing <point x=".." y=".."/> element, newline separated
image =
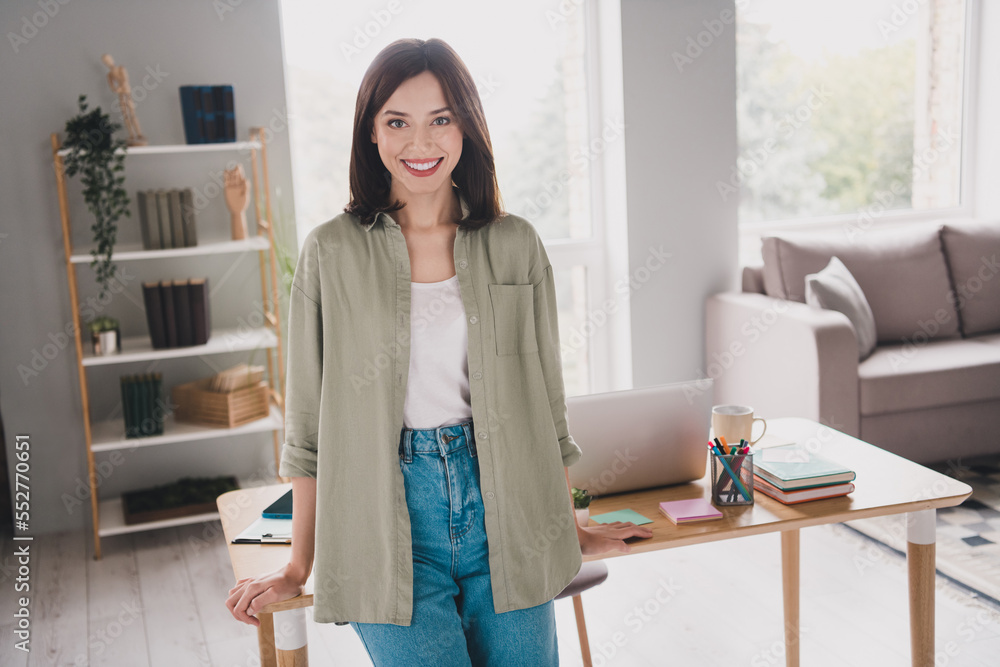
<point x="847" y="112"/>
<point x="529" y="60"/>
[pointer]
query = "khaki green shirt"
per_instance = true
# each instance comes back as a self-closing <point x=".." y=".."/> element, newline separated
<point x="348" y="361"/>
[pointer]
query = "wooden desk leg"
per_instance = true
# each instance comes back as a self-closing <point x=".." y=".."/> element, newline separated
<point x="265" y="640"/>
<point x="290" y="638"/>
<point x="920" y="554"/>
<point x="790" y="587"/>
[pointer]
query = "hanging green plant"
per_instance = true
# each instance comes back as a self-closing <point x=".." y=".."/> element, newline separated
<point x="93" y="153"/>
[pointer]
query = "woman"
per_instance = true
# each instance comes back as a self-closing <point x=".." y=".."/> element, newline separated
<point x="431" y="497"/>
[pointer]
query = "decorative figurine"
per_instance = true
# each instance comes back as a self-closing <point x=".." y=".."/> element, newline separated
<point x="118" y="81"/>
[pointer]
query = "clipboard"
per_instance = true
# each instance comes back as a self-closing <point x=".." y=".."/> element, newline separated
<point x="266" y="531"/>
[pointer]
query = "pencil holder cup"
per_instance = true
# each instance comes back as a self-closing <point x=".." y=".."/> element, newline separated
<point x="732" y="479"/>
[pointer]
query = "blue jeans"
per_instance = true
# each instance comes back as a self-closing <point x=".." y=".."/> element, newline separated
<point x="453" y="622"/>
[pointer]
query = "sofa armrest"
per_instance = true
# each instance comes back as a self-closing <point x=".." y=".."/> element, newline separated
<point x="784" y="358"/>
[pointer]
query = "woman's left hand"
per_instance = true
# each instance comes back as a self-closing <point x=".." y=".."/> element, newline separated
<point x="606" y="537"/>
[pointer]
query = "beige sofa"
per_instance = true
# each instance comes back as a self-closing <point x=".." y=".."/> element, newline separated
<point x="930" y="391"/>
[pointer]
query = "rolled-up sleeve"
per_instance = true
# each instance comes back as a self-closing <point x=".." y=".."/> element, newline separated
<point x="547" y="333"/>
<point x="303" y="385"/>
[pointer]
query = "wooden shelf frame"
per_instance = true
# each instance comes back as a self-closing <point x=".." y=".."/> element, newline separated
<point x="106" y="514"/>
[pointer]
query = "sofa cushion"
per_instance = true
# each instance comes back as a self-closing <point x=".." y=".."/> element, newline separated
<point x="903" y="275"/>
<point x="937" y="373"/>
<point x="834" y="288"/>
<point x="753" y="279"/>
<point x="973" y="253"/>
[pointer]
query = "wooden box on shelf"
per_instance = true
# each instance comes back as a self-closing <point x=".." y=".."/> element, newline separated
<point x="197" y="403"/>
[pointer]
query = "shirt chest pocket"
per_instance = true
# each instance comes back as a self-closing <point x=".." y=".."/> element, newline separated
<point x="513" y="318"/>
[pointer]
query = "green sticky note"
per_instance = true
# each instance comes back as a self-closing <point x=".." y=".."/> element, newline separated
<point x="621" y="515"/>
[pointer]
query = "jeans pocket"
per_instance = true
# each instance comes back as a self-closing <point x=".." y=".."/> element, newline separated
<point x="513" y="318"/>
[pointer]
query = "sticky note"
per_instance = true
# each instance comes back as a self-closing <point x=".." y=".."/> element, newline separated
<point x="621" y="515"/>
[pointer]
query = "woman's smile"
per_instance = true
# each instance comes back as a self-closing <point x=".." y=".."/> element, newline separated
<point x="422" y="168"/>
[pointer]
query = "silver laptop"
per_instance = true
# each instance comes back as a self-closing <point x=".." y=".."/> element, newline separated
<point x="640" y="438"/>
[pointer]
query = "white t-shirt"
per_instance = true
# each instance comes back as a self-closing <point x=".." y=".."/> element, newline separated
<point x="437" y="390"/>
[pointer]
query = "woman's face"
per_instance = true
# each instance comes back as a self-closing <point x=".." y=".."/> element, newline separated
<point x="418" y="136"/>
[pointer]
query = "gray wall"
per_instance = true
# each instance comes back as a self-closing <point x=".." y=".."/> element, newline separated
<point x="186" y="42"/>
<point x="680" y="139"/>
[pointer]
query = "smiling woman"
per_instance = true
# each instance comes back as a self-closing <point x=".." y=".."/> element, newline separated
<point x="423" y="362"/>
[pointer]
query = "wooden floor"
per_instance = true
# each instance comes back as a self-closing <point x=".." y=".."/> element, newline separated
<point x="157" y="599"/>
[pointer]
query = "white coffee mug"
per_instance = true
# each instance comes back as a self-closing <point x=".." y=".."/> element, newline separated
<point x="734" y="422"/>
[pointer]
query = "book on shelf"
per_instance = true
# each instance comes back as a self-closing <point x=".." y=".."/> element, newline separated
<point x="143" y="205"/>
<point x="142" y="404"/>
<point x="177" y="312"/>
<point x="795" y="467"/>
<point x="689" y="511"/>
<point x="187" y="217"/>
<point x="182" y="311"/>
<point x="801" y="495"/>
<point x="201" y="314"/>
<point x="154" y="314"/>
<point x="209" y="114"/>
<point x="176" y="222"/>
<point x="163" y="218"/>
<point x="166" y="218"/>
<point x="169" y="316"/>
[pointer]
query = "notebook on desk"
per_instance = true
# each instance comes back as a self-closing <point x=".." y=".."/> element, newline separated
<point x="640" y="438"/>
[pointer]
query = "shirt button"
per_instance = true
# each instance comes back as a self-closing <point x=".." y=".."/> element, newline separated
<point x="473" y="319"/>
<point x="477" y="374"/>
<point x="462" y="264"/>
<point x="483" y="435"/>
<point x="489" y="494"/>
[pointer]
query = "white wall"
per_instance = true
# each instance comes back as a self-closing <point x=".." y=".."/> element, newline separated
<point x="680" y="130"/>
<point x="987" y="156"/>
<point x="186" y="42"/>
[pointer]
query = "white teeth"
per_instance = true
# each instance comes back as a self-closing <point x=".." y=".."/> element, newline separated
<point x="422" y="167"/>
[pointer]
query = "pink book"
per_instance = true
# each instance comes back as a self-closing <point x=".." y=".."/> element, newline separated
<point x="687" y="511"/>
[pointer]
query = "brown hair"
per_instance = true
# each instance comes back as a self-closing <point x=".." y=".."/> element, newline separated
<point x="475" y="173"/>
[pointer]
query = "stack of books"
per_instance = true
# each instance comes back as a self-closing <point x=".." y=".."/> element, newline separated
<point x="792" y="474"/>
<point x="142" y="404"/>
<point x="177" y="312"/>
<point x="166" y="218"/>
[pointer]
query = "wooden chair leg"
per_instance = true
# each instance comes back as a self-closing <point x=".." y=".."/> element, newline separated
<point x="265" y="640"/>
<point x="581" y="628"/>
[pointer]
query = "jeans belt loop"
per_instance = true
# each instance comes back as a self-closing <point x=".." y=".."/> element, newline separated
<point x="470" y="438"/>
<point x="406" y="446"/>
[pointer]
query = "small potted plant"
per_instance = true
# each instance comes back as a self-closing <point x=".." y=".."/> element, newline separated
<point x="581" y="503"/>
<point x="105" y="335"/>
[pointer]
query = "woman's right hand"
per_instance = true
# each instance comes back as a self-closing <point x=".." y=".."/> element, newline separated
<point x="252" y="594"/>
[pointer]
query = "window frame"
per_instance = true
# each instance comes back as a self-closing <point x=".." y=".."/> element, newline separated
<point x="907" y="217"/>
<point x="605" y="253"/>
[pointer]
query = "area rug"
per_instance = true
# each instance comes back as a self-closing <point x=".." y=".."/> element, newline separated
<point x="968" y="536"/>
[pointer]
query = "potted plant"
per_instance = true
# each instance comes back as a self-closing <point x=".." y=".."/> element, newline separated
<point x="581" y="503"/>
<point x="93" y="152"/>
<point x="105" y="335"/>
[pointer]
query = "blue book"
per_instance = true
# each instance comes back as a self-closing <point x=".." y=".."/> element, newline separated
<point x="191" y="113"/>
<point x="795" y="467"/>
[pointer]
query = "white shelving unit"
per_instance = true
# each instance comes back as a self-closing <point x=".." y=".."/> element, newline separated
<point x="105" y="436"/>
